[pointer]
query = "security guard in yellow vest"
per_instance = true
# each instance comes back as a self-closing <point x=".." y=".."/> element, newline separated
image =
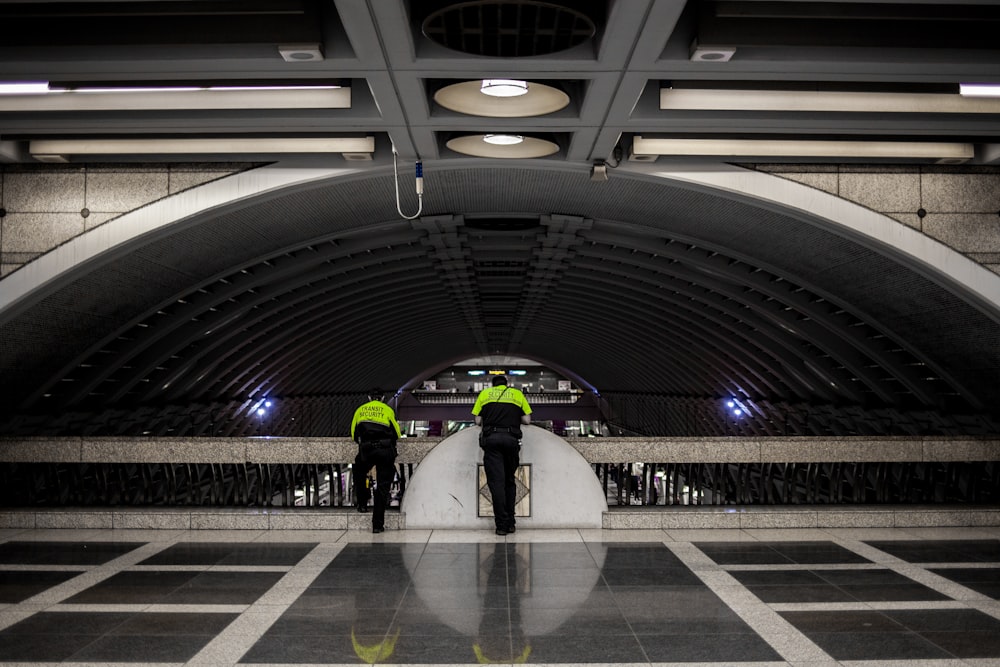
<point x="375" y="429"/>
<point x="500" y="410"/>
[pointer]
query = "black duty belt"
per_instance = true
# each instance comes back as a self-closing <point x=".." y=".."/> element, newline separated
<point x="378" y="443"/>
<point x="499" y="429"/>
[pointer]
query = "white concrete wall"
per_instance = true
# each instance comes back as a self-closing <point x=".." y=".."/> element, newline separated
<point x="443" y="492"/>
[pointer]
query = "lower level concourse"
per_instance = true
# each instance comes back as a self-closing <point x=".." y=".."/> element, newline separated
<point x="816" y="597"/>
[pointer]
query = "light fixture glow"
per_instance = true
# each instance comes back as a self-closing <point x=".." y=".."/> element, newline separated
<point x="247" y="146"/>
<point x="713" y="99"/>
<point x="504" y="88"/>
<point x="979" y="89"/>
<point x="146" y="98"/>
<point x="503" y="139"/>
<point x="918" y="150"/>
<point x="23" y="87"/>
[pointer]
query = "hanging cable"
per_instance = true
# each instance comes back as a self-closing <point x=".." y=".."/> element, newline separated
<point x="419" y="187"/>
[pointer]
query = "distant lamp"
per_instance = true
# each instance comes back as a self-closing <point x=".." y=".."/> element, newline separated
<point x="504" y="88"/>
<point x="503" y="139"/>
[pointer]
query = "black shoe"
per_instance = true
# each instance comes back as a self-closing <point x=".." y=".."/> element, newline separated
<point x="378" y="530"/>
<point x="511" y="528"/>
<point x="362" y="509"/>
<point x="501" y="531"/>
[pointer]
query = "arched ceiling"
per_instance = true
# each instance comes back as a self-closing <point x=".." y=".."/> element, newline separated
<point x="638" y="285"/>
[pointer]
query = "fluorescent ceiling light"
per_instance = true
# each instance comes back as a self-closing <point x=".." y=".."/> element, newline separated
<point x="503" y="139"/>
<point x="693" y="99"/>
<point x="802" y="148"/>
<point x="269" y="145"/>
<point x="23" y="87"/>
<point x="979" y="89"/>
<point x="504" y="88"/>
<point x="143" y="99"/>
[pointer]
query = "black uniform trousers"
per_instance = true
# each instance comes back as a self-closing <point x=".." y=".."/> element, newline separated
<point x="382" y="455"/>
<point x="501" y="457"/>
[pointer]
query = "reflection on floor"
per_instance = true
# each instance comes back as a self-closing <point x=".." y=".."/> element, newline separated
<point x="535" y="597"/>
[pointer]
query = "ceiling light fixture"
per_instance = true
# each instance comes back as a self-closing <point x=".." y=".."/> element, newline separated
<point x="715" y="99"/>
<point x="979" y="89"/>
<point x="473" y="98"/>
<point x="504" y="88"/>
<point x="528" y="147"/>
<point x="23" y="87"/>
<point x="152" y="98"/>
<point x="503" y="139"/>
<point x="643" y="147"/>
<point x="49" y="150"/>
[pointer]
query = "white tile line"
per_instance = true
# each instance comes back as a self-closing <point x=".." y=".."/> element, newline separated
<point x="783" y="637"/>
<point x="763" y="618"/>
<point x="239" y="637"/>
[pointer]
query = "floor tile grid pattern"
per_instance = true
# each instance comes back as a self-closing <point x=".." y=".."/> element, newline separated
<point x="764" y="618"/>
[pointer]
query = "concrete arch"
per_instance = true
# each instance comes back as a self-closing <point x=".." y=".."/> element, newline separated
<point x="934" y="259"/>
<point x="263" y="261"/>
<point x="928" y="256"/>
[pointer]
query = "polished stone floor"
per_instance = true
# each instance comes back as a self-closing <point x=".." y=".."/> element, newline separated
<point x="917" y="596"/>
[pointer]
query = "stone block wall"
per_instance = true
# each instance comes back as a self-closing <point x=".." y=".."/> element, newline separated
<point x="43" y="206"/>
<point x="956" y="205"/>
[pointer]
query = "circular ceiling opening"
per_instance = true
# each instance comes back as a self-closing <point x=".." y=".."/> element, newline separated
<point x="508" y="28"/>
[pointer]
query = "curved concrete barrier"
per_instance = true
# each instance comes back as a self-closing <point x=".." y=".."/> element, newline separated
<point x="565" y="492"/>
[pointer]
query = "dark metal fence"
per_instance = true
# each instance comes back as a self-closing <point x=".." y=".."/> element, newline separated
<point x="662" y="484"/>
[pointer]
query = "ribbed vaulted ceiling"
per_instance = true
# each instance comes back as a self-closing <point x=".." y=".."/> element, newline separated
<point x="665" y="298"/>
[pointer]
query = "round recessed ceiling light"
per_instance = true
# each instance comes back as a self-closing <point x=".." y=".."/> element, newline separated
<point x="503" y="139"/>
<point x="469" y="97"/>
<point x="504" y="88"/>
<point x="479" y="146"/>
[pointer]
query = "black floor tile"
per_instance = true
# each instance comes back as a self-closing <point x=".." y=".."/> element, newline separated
<point x="151" y="648"/>
<point x="41" y="648"/>
<point x="55" y="623"/>
<point x="878" y="646"/>
<point x="985" y="581"/>
<point x="816" y="552"/>
<point x="742" y="553"/>
<point x="576" y="648"/>
<point x="802" y="593"/>
<point x="727" y="648"/>
<point x="561" y="597"/>
<point x="231" y="553"/>
<point x="318" y="649"/>
<point x="174" y="623"/>
<point x="17" y="586"/>
<point x="941" y="551"/>
<point x="776" y="586"/>
<point x="595" y="622"/>
<point x="967" y="644"/>
<point x="172" y="587"/>
<point x="133" y="588"/>
<point x="811" y="622"/>
<point x="650" y="576"/>
<point x="948" y="620"/>
<point x="54" y="636"/>
<point x="63" y="553"/>
<point x="901" y="634"/>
